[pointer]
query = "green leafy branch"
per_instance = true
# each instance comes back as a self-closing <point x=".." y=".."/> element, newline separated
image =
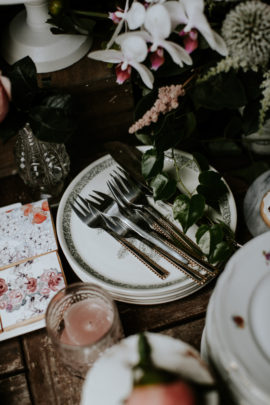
<point x="214" y="238"/>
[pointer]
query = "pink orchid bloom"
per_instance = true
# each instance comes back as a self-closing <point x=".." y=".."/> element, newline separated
<point x="190" y="40"/>
<point x="115" y="18"/>
<point x="122" y="75"/>
<point x="133" y="52"/>
<point x="5" y="96"/>
<point x="157" y="58"/>
<point x="133" y="17"/>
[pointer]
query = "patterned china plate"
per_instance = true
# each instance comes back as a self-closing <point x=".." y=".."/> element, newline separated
<point x="96" y="257"/>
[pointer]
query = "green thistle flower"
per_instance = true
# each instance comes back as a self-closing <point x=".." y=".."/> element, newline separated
<point x="246" y="31"/>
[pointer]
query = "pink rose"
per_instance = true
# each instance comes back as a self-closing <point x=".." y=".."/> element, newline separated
<point x="177" y="392"/>
<point x="48" y="274"/>
<point x="15" y="297"/>
<point x="3" y="286"/>
<point x="45" y="291"/>
<point x="31" y="284"/>
<point x="5" y="96"/>
<point x="3" y="305"/>
<point x="55" y="281"/>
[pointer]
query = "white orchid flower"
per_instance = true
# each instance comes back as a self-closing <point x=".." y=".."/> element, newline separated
<point x="177" y="13"/>
<point x="196" y="19"/>
<point x="158" y="27"/>
<point x="134" y="17"/>
<point x="133" y="52"/>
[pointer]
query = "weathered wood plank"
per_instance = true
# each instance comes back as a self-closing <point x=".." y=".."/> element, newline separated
<point x="49" y="381"/>
<point x="11" y="357"/>
<point x="14" y="391"/>
<point x="136" y="318"/>
<point x="190" y="332"/>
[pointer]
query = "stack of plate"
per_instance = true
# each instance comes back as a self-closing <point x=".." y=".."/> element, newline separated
<point x="236" y="338"/>
<point x="96" y="257"/>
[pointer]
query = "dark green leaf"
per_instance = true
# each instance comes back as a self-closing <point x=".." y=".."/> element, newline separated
<point x="145" y="139"/>
<point x="220" y="91"/>
<point x="23" y="76"/>
<point x="221" y="253"/>
<point x="251" y="117"/>
<point x="51" y="124"/>
<point x="152" y="163"/>
<point x="163" y="187"/>
<point x="188" y="210"/>
<point x="203" y="238"/>
<point x="201" y="161"/>
<point x="234" y="127"/>
<point x="211" y="187"/>
<point x="173" y="130"/>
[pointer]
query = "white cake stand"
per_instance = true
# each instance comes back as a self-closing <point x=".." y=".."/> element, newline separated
<point x="29" y="35"/>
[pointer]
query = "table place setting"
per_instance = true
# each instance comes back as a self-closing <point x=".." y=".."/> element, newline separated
<point x="140" y="233"/>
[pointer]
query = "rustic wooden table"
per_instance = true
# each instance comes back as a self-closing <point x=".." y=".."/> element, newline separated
<point x="30" y="371"/>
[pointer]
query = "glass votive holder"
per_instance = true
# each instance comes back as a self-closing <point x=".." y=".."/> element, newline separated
<point x="82" y="321"/>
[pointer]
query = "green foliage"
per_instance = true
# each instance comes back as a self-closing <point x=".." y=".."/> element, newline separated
<point x="163" y="187"/>
<point x="220" y="91"/>
<point x="211" y="187"/>
<point x="48" y="112"/>
<point x="188" y="210"/>
<point x="152" y="163"/>
<point x="210" y="239"/>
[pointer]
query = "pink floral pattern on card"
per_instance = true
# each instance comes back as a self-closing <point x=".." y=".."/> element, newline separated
<point x="26" y="232"/>
<point x="26" y="289"/>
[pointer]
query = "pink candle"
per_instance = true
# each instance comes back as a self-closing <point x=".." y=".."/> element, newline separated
<point x="86" y="322"/>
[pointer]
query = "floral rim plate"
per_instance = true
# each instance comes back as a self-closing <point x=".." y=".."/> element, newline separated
<point x="109" y="381"/>
<point x="241" y="313"/>
<point x="96" y="257"/>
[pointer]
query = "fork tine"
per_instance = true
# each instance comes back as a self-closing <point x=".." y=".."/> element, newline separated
<point x="82" y="201"/>
<point x="117" y="196"/>
<point x="78" y="212"/>
<point x="120" y="184"/>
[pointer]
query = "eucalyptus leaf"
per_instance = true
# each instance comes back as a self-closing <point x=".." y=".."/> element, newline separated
<point x="188" y="210"/>
<point x="152" y="163"/>
<point x="163" y="187"/>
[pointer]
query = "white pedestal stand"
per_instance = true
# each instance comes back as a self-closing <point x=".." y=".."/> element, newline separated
<point x="29" y="35"/>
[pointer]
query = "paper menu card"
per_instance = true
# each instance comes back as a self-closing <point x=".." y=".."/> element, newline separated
<point x="30" y="268"/>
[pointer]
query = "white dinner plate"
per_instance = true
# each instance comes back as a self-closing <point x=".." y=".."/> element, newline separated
<point x="96" y="257"/>
<point x="242" y="315"/>
<point x="109" y="381"/>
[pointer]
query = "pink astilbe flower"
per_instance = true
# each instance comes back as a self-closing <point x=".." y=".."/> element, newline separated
<point x="167" y="100"/>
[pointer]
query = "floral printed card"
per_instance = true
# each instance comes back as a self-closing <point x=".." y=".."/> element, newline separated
<point x="26" y="232"/>
<point x="27" y="288"/>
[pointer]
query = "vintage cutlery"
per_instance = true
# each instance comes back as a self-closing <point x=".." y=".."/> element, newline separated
<point x="95" y="219"/>
<point x="191" y="257"/>
<point x="135" y="195"/>
<point x="143" y="232"/>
